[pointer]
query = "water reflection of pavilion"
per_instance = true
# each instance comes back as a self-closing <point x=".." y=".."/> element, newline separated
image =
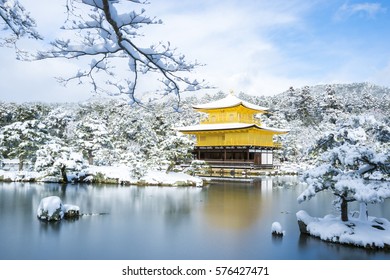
<point x="233" y="205"/>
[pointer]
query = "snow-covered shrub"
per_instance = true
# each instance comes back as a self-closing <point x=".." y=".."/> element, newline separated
<point x="56" y="159"/>
<point x="198" y="167"/>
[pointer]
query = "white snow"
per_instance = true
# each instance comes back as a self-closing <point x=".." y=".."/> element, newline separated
<point x="50" y="204"/>
<point x="14" y="176"/>
<point x="120" y="173"/>
<point x="70" y="207"/>
<point x="277" y="229"/>
<point x="152" y="177"/>
<point x="217" y="126"/>
<point x="229" y="101"/>
<point x="171" y="178"/>
<point x="373" y="233"/>
<point x="51" y="208"/>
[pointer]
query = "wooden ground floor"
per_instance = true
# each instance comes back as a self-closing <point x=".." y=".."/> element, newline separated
<point x="236" y="156"/>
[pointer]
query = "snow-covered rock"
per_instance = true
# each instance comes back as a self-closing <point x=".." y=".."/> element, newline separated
<point x="51" y="208"/>
<point x="71" y="211"/>
<point x="277" y="229"/>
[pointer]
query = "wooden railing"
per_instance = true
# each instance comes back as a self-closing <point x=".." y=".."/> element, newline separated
<point x="238" y="164"/>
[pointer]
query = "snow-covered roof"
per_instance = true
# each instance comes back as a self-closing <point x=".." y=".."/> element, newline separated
<point x="227" y="126"/>
<point x="228" y="102"/>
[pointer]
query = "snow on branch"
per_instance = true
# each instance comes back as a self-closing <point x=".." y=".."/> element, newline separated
<point x="105" y="36"/>
<point x="16" y="20"/>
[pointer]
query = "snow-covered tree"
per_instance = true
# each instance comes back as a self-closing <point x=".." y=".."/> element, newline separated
<point x="347" y="165"/>
<point x="55" y="158"/>
<point x="304" y="104"/>
<point x="177" y="148"/>
<point x="5" y="113"/>
<point x="92" y="138"/>
<point x="59" y="120"/>
<point x="331" y="106"/>
<point x="21" y="140"/>
<point x="20" y="112"/>
<point x="331" y="100"/>
<point x="287" y="105"/>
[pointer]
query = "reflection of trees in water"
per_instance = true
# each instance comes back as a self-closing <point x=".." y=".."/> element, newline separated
<point x="172" y="201"/>
<point x="50" y="227"/>
<point x="131" y="199"/>
<point x="287" y="182"/>
<point x="176" y="211"/>
<point x="17" y="203"/>
<point x="237" y="205"/>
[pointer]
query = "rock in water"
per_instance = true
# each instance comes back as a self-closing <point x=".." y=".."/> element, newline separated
<point x="50" y="209"/>
<point x="71" y="211"/>
<point x="277" y="229"/>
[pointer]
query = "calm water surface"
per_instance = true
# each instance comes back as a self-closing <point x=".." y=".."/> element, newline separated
<point x="220" y="221"/>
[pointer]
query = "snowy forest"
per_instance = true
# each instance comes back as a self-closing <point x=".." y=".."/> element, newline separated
<point x="53" y="139"/>
<point x="56" y="139"/>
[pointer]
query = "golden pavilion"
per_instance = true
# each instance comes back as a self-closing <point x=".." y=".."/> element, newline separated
<point x="230" y="135"/>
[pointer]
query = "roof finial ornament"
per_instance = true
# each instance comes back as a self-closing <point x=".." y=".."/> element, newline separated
<point x="232" y="92"/>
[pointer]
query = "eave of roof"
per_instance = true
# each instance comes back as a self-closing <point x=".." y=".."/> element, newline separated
<point x="229" y="102"/>
<point x="228" y="126"/>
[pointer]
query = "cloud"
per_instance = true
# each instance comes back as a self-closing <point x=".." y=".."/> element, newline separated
<point x="235" y="39"/>
<point x="368" y="10"/>
<point x="35" y="81"/>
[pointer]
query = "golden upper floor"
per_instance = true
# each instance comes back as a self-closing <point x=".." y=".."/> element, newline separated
<point x="229" y="110"/>
<point x="238" y="114"/>
<point x="231" y="122"/>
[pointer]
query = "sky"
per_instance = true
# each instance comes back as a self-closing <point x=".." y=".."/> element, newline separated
<point x="259" y="47"/>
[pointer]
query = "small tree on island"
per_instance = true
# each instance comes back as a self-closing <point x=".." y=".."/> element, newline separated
<point x="349" y="167"/>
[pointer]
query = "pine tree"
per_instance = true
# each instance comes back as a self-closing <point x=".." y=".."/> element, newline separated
<point x="346" y="163"/>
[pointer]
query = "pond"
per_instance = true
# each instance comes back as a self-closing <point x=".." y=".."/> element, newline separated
<point x="225" y="220"/>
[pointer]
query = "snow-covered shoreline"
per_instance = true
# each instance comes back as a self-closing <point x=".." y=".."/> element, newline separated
<point x="121" y="174"/>
<point x="107" y="175"/>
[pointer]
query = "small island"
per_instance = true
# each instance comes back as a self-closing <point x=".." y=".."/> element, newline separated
<point x="348" y="166"/>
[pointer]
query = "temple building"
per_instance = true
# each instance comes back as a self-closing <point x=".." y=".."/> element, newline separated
<point x="230" y="135"/>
